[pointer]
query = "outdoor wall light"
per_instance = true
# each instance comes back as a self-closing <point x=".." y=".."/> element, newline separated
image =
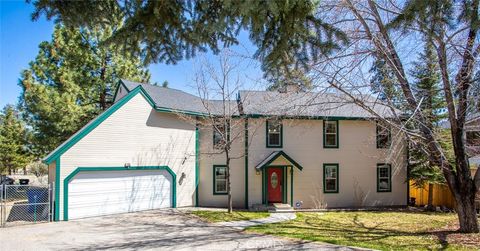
<point x="127" y="165"/>
<point x="182" y="177"/>
<point x="257" y="172"/>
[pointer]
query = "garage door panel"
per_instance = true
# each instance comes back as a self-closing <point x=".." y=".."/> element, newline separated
<point x="110" y="192"/>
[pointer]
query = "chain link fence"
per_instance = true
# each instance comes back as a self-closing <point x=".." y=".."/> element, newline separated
<point x="25" y="204"/>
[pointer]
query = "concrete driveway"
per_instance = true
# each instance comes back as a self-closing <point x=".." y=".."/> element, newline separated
<point x="148" y="230"/>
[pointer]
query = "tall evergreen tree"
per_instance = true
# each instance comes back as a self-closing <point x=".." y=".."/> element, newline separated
<point x="427" y="76"/>
<point x="384" y="83"/>
<point x="286" y="76"/>
<point x="71" y="81"/>
<point x="427" y="84"/>
<point x="14" y="153"/>
<point x="172" y="30"/>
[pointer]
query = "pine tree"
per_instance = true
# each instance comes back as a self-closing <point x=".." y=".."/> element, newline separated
<point x="170" y="31"/>
<point x="427" y="76"/>
<point x="427" y="85"/>
<point x="71" y="81"/>
<point x="383" y="83"/>
<point x="285" y="76"/>
<point x="14" y="153"/>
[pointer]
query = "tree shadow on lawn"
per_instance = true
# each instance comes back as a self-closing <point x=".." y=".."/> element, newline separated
<point x="324" y="229"/>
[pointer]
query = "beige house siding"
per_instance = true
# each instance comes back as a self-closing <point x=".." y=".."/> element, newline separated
<point x="357" y="157"/>
<point x="210" y="157"/>
<point x="141" y="136"/>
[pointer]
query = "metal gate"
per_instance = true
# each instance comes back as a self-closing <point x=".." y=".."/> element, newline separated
<point x="25" y="204"/>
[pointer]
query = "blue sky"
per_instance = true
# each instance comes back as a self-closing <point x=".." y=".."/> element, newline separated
<point x="20" y="37"/>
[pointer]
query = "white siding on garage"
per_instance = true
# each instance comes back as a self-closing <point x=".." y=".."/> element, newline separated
<point x="109" y="192"/>
<point x="138" y="135"/>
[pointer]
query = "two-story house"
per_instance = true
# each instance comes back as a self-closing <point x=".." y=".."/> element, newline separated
<point x="150" y="150"/>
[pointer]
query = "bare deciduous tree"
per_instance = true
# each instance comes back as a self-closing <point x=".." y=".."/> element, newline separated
<point x="368" y="25"/>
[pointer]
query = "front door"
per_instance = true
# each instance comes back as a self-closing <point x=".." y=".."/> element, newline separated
<point x="275" y="185"/>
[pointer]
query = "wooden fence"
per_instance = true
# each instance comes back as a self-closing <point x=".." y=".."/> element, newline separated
<point x="441" y="195"/>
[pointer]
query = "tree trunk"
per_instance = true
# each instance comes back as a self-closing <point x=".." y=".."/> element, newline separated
<point x="467" y="215"/>
<point x="430" y="197"/>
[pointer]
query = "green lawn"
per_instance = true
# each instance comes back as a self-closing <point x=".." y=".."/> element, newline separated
<point x="221" y="216"/>
<point x="378" y="230"/>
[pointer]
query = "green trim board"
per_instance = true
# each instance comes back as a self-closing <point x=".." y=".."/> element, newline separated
<point x="283" y="154"/>
<point x="337" y="184"/>
<point x="120" y="83"/>
<point x="264" y="201"/>
<point x="94" y="123"/>
<point x="197" y="160"/>
<point x="291" y="186"/>
<point x="337" y="135"/>
<point x="67" y="180"/>
<point x="57" y="190"/>
<point x="384" y="165"/>
<point x="267" y="138"/>
<point x="214" y="178"/>
<point x="246" y="162"/>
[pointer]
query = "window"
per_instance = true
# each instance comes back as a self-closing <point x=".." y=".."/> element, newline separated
<point x="330" y="178"/>
<point x="473" y="138"/>
<point x="383" y="136"/>
<point x="384" y="178"/>
<point x="219" y="180"/>
<point x="219" y="135"/>
<point x="274" y="133"/>
<point x="330" y="134"/>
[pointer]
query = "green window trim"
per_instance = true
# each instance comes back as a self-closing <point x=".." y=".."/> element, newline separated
<point x="389" y="136"/>
<point x="380" y="166"/>
<point x="325" y="166"/>
<point x="325" y="134"/>
<point x="214" y="179"/>
<point x="197" y="160"/>
<point x="67" y="180"/>
<point x="267" y="135"/>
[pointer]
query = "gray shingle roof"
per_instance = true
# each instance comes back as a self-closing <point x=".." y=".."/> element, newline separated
<point x="179" y="100"/>
<point x="308" y="104"/>
<point x="267" y="103"/>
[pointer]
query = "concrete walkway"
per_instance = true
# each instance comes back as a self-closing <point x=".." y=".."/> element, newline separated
<point x="149" y="230"/>
<point x="273" y="218"/>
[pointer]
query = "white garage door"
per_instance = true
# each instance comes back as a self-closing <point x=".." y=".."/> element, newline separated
<point x="110" y="192"/>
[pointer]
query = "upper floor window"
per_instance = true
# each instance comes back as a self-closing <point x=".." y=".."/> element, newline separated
<point x="383" y="136"/>
<point x="330" y="134"/>
<point x="220" y="135"/>
<point x="274" y="133"/>
<point x="473" y="138"/>
<point x="384" y="178"/>
<point x="330" y="178"/>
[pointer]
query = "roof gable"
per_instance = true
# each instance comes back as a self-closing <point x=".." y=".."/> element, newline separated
<point x="274" y="156"/>
<point x="94" y="123"/>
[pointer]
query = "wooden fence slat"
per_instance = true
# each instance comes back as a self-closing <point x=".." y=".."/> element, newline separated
<point x="441" y="195"/>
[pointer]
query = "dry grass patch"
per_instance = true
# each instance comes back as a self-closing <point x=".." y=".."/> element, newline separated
<point x="222" y="216"/>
